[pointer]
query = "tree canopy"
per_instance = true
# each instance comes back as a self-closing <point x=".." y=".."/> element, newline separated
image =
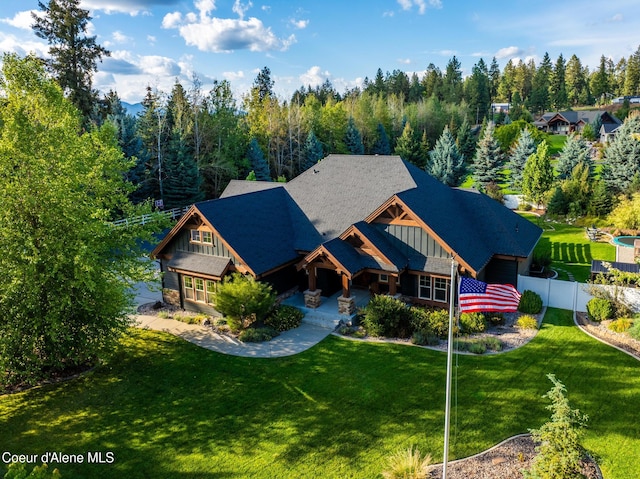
<point x="66" y="270"/>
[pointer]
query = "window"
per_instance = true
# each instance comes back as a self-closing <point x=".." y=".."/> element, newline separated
<point x="212" y="287"/>
<point x="207" y="237"/>
<point x="383" y="278"/>
<point x="195" y="236"/>
<point x="199" y="289"/>
<point x="424" y="287"/>
<point x="188" y="287"/>
<point x="440" y="288"/>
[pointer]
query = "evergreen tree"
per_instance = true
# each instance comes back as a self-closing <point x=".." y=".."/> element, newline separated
<point x="632" y="74"/>
<point x="539" y="100"/>
<point x="74" y="56"/>
<point x="257" y="161"/>
<point x="452" y="81"/>
<point x="494" y="80"/>
<point x="478" y="91"/>
<point x="575" y="150"/>
<point x="576" y="77"/>
<point x="601" y="200"/>
<point x="312" y="151"/>
<point x="558" y="97"/>
<point x="558" y="204"/>
<point x="353" y="139"/>
<point x="577" y="189"/>
<point x="382" y="145"/>
<point x="622" y="156"/>
<point x="408" y="148"/>
<point x="466" y="140"/>
<point x="600" y="81"/>
<point x="446" y="163"/>
<point x="183" y="180"/>
<point x="537" y="176"/>
<point x="519" y="155"/>
<point x="489" y="159"/>
<point x="264" y="84"/>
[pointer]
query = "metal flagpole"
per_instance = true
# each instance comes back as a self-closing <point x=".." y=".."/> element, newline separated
<point x="447" y="412"/>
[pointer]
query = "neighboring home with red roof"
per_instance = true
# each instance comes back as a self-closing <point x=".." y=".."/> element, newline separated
<point x="372" y="223"/>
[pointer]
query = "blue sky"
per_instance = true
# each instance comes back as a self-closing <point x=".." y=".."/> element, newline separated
<point x="305" y="42"/>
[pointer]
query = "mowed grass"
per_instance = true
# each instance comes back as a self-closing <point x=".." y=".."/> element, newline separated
<point x="167" y="408"/>
<point x="570" y="248"/>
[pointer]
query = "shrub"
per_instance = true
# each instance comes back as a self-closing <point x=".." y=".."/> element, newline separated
<point x="530" y="302"/>
<point x="243" y="300"/>
<point x="599" y="309"/>
<point x="634" y="331"/>
<point x="424" y="339"/>
<point x="526" y="321"/>
<point x="164" y="314"/>
<point x="431" y="322"/>
<point x="284" y="318"/>
<point x="476" y="347"/>
<point x="494" y="344"/>
<point x="257" y="335"/>
<point x="387" y="316"/>
<point x="471" y="323"/>
<point x="559" y="451"/>
<point x="409" y="464"/>
<point x="20" y="471"/>
<point x="621" y="325"/>
<point x="495" y="318"/>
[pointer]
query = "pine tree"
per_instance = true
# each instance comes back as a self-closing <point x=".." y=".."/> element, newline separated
<point x="601" y="200"/>
<point x="537" y="176"/>
<point x="408" y="148"/>
<point x="539" y="100"/>
<point x="446" y="163"/>
<point x="632" y="74"/>
<point x="558" y="97"/>
<point x="465" y="139"/>
<point x="257" y="161"/>
<point x="575" y="151"/>
<point x="382" y="145"/>
<point x="489" y="159"/>
<point x="74" y="56"/>
<point x="622" y="156"/>
<point x="353" y="139"/>
<point x="183" y="181"/>
<point x="519" y="155"/>
<point x="312" y="151"/>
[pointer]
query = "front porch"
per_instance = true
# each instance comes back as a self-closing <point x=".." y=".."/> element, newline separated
<point x="326" y="314"/>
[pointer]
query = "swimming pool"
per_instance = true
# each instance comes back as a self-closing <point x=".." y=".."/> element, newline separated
<point x="625" y="240"/>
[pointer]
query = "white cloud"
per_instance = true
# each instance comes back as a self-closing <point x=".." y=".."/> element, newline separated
<point x="404" y="61"/>
<point x="240" y="8"/>
<point x="13" y="44"/>
<point x="421" y="4"/>
<point x="314" y="76"/>
<point x="212" y="34"/>
<point x="618" y="17"/>
<point x="231" y="76"/>
<point x="22" y="20"/>
<point x="300" y="24"/>
<point x="508" y="52"/>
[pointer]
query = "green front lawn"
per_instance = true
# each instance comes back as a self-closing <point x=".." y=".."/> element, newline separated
<point x="167" y="408"/>
<point x="570" y="249"/>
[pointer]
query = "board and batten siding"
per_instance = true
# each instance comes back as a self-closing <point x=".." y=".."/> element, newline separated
<point x="409" y="239"/>
<point x="181" y="243"/>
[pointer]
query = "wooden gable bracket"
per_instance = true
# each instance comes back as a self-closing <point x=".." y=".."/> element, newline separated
<point x="394" y="213"/>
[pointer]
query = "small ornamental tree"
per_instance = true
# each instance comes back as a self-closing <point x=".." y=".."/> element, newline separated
<point x="243" y="300"/>
<point x="559" y="452"/>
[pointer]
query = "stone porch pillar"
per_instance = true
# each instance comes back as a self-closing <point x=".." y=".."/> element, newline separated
<point x="312" y="298"/>
<point x="346" y="306"/>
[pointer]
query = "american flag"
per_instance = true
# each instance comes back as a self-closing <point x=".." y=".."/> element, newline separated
<point x="476" y="296"/>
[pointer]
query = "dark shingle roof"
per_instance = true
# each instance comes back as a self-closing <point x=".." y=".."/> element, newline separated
<point x="256" y="225"/>
<point x="199" y="263"/>
<point x="272" y="225"/>
<point x="352" y="260"/>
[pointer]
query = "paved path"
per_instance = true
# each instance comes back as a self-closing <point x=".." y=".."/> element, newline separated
<point x="286" y="344"/>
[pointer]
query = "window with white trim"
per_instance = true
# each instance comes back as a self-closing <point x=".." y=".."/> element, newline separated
<point x="195" y="236"/>
<point x="424" y="287"/>
<point x="440" y="289"/>
<point x="383" y="278"/>
<point x="212" y="287"/>
<point x="187" y="282"/>
<point x="199" y="286"/>
<point x="207" y="237"/>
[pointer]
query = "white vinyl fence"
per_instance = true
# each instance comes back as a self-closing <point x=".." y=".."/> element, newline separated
<point x="570" y="294"/>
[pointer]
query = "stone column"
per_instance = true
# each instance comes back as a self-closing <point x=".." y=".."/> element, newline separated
<point x="346" y="306"/>
<point x="312" y="298"/>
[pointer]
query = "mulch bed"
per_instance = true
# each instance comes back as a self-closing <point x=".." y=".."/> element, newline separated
<point x="600" y="331"/>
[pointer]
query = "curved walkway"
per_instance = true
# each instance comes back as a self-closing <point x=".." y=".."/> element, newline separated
<point x="287" y="343"/>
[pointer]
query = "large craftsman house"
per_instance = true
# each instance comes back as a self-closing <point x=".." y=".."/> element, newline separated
<point x="375" y="224"/>
<point x="567" y="122"/>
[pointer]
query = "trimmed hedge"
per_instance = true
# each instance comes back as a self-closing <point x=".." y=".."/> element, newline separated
<point x="530" y="302"/>
<point x="599" y="309"/>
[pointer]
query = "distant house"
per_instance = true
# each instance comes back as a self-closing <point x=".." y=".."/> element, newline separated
<point x="500" y="107"/>
<point x="567" y="122"/>
<point x="372" y="224"/>
<point x="621" y="99"/>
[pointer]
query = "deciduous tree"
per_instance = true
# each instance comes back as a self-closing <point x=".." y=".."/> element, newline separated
<point x="66" y="270"/>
